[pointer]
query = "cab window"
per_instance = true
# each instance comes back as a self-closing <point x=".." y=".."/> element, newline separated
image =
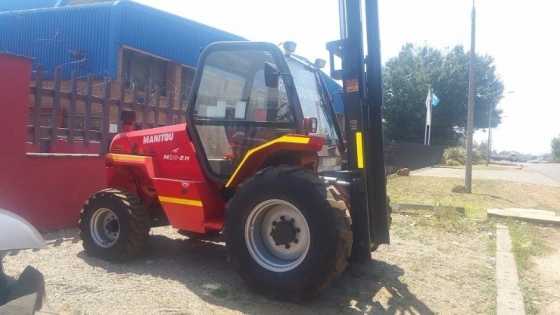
<point x="235" y="110"/>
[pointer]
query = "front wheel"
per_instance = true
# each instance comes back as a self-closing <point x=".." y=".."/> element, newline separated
<point x="114" y="225"/>
<point x="286" y="234"/>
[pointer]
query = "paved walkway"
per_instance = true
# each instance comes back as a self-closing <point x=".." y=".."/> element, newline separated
<point x="507" y="174"/>
<point x="532" y="215"/>
<point x="509" y="298"/>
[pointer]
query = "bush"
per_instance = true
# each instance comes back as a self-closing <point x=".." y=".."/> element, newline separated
<point x="556" y="148"/>
<point x="456" y="156"/>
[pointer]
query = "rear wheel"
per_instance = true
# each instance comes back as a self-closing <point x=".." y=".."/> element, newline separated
<point x="114" y="225"/>
<point x="285" y="233"/>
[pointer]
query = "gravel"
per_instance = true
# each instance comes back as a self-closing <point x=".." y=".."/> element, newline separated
<point x="420" y="273"/>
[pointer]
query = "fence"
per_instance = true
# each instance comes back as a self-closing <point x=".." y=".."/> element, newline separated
<point x="412" y="155"/>
<point x="90" y="110"/>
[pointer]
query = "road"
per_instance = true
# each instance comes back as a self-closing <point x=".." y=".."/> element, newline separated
<point x="550" y="170"/>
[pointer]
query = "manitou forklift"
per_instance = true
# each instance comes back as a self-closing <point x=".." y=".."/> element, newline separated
<point x="261" y="161"/>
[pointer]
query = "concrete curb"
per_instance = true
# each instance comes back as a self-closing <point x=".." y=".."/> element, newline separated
<point x="509" y="299"/>
<point x="530" y="215"/>
<point x="399" y="207"/>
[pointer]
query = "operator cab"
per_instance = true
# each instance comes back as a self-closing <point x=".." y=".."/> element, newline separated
<point x="248" y="94"/>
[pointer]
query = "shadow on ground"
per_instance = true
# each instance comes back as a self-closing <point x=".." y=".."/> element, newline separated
<point x="203" y="269"/>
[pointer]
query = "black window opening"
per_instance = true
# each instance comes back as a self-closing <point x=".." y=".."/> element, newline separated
<point x="140" y="70"/>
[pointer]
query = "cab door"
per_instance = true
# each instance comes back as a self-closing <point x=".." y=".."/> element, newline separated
<point x="243" y="96"/>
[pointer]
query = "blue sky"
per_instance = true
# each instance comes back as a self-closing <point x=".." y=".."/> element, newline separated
<point x="521" y="35"/>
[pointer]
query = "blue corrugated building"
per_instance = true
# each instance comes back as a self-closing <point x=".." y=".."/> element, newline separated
<point x="54" y="35"/>
<point x="12" y="5"/>
<point x="117" y="39"/>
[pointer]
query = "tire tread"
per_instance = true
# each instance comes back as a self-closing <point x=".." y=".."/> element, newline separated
<point x="138" y="222"/>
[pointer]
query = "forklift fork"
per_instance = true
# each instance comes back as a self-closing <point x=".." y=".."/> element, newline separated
<point x="362" y="95"/>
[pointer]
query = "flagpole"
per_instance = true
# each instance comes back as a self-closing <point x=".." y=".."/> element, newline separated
<point x="430" y="134"/>
<point x="431" y="110"/>
<point x="470" y="110"/>
<point x="428" y="129"/>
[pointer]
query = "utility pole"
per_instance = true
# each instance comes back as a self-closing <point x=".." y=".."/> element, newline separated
<point x="489" y="144"/>
<point x="470" y="110"/>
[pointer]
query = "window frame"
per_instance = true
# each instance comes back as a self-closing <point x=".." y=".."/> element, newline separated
<point x="129" y="54"/>
<point x="192" y="121"/>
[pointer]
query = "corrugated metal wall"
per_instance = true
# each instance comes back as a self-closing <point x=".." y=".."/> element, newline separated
<point x="171" y="36"/>
<point x="10" y="5"/>
<point x="52" y="36"/>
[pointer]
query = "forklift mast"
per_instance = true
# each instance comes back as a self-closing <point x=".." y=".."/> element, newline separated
<point x="363" y="97"/>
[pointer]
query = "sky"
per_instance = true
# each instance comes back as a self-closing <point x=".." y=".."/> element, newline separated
<point x="522" y="36"/>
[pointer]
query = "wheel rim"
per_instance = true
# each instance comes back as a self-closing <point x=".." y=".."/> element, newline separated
<point x="105" y="227"/>
<point x="277" y="235"/>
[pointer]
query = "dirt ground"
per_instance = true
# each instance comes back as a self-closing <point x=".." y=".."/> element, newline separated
<point x="427" y="269"/>
<point x="543" y="276"/>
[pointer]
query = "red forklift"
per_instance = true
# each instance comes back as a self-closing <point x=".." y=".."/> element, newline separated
<point x="262" y="162"/>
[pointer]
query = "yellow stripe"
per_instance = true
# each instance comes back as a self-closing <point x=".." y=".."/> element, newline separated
<point x="181" y="201"/>
<point x="359" y="150"/>
<point x="285" y="139"/>
<point x="126" y="158"/>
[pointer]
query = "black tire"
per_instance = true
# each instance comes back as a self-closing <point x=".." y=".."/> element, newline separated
<point x="133" y="224"/>
<point x="329" y="227"/>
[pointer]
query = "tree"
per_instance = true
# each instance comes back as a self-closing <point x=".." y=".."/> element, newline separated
<point x="407" y="79"/>
<point x="556" y="148"/>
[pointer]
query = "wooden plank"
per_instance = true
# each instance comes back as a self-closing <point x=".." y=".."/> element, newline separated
<point x="156" y="112"/>
<point x="72" y="113"/>
<point x="44" y="91"/>
<point x="79" y="97"/>
<point x="134" y="98"/>
<point x="55" y="120"/>
<point x="87" y="117"/>
<point x="147" y="105"/>
<point x="170" y="98"/>
<point x="37" y="106"/>
<point x="121" y="104"/>
<point x="105" y="121"/>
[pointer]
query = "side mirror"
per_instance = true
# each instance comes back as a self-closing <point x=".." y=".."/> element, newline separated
<point x="310" y="125"/>
<point x="271" y="75"/>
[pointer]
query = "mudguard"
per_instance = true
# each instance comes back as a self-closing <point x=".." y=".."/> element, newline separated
<point x="24" y="295"/>
<point x="17" y="233"/>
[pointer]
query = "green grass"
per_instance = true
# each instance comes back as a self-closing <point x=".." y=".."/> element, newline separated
<point x="437" y="191"/>
<point x="450" y="220"/>
<point x="527" y="241"/>
<point x="453" y="216"/>
<point x="445" y="195"/>
<point x="492" y="167"/>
